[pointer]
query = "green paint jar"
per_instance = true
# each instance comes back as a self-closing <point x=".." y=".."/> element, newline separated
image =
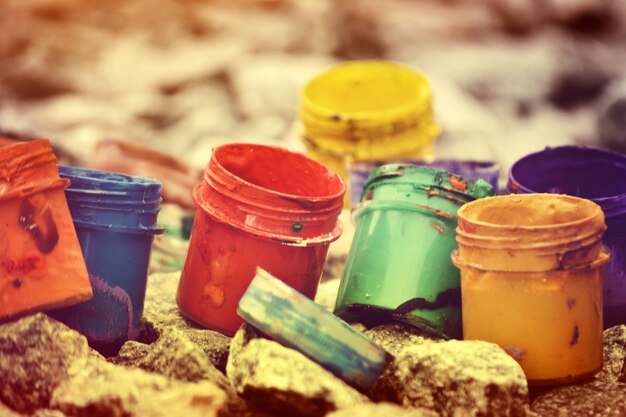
<point x="399" y="264"/>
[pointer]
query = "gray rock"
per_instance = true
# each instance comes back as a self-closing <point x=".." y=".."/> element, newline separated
<point x="614" y="353"/>
<point x="35" y="354"/>
<point x="472" y="378"/>
<point x="173" y="355"/>
<point x="160" y="309"/>
<point x="395" y="337"/>
<point x="381" y="410"/>
<point x="284" y="381"/>
<point x="96" y="389"/>
<point x="597" y="398"/>
<point x="161" y="312"/>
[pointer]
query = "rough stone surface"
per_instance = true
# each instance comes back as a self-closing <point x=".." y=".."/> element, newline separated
<point x="455" y="378"/>
<point x="614" y="353"/>
<point x="381" y="410"/>
<point x="395" y="337"/>
<point x="283" y="381"/>
<point x="597" y="398"/>
<point x="173" y="355"/>
<point x="96" y="389"/>
<point x="161" y="312"/>
<point x="35" y="354"/>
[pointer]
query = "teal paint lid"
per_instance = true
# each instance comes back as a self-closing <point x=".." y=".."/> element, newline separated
<point x="297" y="322"/>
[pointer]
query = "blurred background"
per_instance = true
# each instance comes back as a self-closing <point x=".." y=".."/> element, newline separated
<point x="509" y="76"/>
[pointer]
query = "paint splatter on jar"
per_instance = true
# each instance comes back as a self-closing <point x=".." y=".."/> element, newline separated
<point x="399" y="264"/>
<point x="41" y="265"/>
<point x="531" y="281"/>
<point x="257" y="206"/>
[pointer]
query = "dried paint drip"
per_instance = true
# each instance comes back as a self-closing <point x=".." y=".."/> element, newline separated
<point x="258" y="205"/>
<point x="408" y="213"/>
<point x="40" y="225"/>
<point x="448" y="298"/>
<point x="114" y="215"/>
<point x="531" y="278"/>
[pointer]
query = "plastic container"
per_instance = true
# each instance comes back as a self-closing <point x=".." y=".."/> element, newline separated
<point x="399" y="262"/>
<point x="295" y="321"/>
<point x="596" y="174"/>
<point x="115" y="217"/>
<point x="358" y="172"/>
<point x="367" y="110"/>
<point x="530" y="284"/>
<point x="41" y="265"/>
<point x="257" y="206"/>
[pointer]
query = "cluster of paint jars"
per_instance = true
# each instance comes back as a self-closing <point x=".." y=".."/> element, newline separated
<point x="432" y="248"/>
<point x="81" y="254"/>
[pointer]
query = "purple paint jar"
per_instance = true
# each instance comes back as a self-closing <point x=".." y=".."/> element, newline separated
<point x="600" y="176"/>
<point x="486" y="170"/>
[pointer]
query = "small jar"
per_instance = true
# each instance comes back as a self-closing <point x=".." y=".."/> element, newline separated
<point x="399" y="262"/>
<point x="41" y="264"/>
<point x="258" y="206"/>
<point x="115" y="216"/>
<point x="367" y="110"/>
<point x="531" y="281"/>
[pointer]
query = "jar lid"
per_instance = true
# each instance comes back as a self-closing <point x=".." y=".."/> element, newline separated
<point x="299" y="323"/>
<point x="366" y="99"/>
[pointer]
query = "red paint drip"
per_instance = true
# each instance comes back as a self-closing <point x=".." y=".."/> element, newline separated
<point x="458" y="182"/>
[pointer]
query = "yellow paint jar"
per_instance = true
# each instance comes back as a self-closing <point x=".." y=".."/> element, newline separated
<point x="531" y="281"/>
<point x="365" y="111"/>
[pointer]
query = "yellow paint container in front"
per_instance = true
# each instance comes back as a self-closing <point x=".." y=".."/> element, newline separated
<point x="537" y="288"/>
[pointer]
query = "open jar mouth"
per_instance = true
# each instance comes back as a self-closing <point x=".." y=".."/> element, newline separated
<point x="255" y="167"/>
<point x="272" y="193"/>
<point x="529" y="213"/>
<point x="583" y="171"/>
<point x="350" y="93"/>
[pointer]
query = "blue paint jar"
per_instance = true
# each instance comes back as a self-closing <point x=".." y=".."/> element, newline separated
<point x="115" y="217"/>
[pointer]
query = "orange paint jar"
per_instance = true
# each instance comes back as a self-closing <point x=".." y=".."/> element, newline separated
<point x="258" y="206"/>
<point x="41" y="264"/>
<point x="531" y="281"/>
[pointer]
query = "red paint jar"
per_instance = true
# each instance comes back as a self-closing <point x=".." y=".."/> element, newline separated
<point x="257" y="206"/>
